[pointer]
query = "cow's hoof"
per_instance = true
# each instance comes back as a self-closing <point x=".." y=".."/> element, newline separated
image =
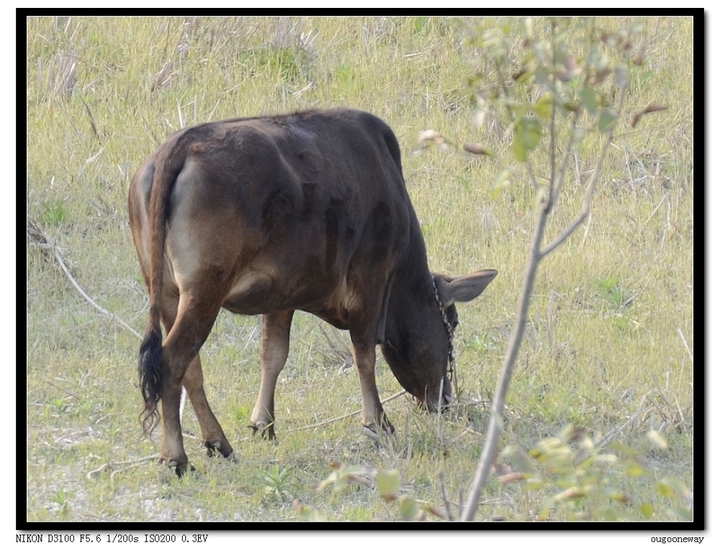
<point x="179" y="468"/>
<point x="216" y="446"/>
<point x="371" y="431"/>
<point x="385" y="425"/>
<point x="267" y="432"/>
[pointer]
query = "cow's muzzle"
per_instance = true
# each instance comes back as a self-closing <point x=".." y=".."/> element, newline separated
<point x="436" y="402"/>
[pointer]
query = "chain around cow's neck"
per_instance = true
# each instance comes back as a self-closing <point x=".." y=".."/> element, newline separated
<point x="452" y="376"/>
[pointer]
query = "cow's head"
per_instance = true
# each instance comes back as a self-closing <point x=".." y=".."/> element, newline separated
<point x="417" y="344"/>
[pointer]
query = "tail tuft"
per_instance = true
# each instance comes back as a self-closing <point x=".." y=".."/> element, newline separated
<point x="150" y="372"/>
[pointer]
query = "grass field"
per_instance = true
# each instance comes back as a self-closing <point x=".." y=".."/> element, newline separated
<point x="609" y="341"/>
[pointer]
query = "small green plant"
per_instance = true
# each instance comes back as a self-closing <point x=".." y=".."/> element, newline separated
<point x="61" y="499"/>
<point x="54" y="213"/>
<point x="348" y="78"/>
<point x="480" y="343"/>
<point x="611" y="291"/>
<point x="276" y="483"/>
<point x="59" y="405"/>
<point x="242" y="413"/>
<point x="287" y="62"/>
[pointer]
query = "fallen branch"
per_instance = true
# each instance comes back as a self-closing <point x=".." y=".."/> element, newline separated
<point x="617" y="430"/>
<point x="41" y="241"/>
<point x="347" y="415"/>
<point x="124" y="464"/>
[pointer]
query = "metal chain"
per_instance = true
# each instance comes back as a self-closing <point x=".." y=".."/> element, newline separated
<point x="452" y="376"/>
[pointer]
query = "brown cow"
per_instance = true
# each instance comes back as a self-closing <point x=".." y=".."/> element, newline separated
<point x="269" y="215"/>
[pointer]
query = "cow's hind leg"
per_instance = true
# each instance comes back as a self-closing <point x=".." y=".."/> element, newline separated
<point x="212" y="434"/>
<point x="273" y="354"/>
<point x="195" y="318"/>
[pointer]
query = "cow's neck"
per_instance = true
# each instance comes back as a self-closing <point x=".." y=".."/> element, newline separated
<point x="413" y="284"/>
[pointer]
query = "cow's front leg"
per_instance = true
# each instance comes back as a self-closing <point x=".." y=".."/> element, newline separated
<point x="373" y="414"/>
<point x="273" y="354"/>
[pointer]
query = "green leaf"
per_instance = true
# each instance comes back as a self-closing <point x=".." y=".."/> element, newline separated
<point x="523" y="76"/>
<point x="665" y="489"/>
<point x="589" y="100"/>
<point x="647" y="510"/>
<point x="634" y="469"/>
<point x="527" y="135"/>
<point x="520" y="149"/>
<point x="531" y="131"/>
<point x="543" y="107"/>
<point x="620" y="496"/>
<point x="674" y="486"/>
<point x="408" y="508"/>
<point x="545" y="508"/>
<point x="610" y="515"/>
<point x="607" y="121"/>
<point x="542" y="75"/>
<point x="388" y="484"/>
<point x="502" y="180"/>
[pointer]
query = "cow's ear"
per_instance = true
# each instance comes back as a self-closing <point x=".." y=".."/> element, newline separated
<point x="465" y="288"/>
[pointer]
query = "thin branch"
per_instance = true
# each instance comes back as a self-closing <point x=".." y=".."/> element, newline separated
<point x="448" y="508"/>
<point x="495" y="427"/>
<point x="564" y="163"/>
<point x="587" y="200"/>
<point x="44" y="244"/>
<point x="126" y="464"/>
<point x="116" y="472"/>
<point x="120" y="321"/>
<point x="656" y="209"/>
<point x="533" y="178"/>
<point x="346" y="416"/>
<point x="490" y="446"/>
<point x="613" y="433"/>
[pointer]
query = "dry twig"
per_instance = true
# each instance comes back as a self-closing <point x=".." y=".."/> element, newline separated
<point x="352" y="414"/>
<point x="38" y="238"/>
<point x="124" y="464"/>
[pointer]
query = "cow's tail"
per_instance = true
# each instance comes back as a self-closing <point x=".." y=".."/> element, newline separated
<point x="169" y="163"/>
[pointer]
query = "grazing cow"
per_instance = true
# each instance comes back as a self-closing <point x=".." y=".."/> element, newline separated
<point x="269" y="215"/>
